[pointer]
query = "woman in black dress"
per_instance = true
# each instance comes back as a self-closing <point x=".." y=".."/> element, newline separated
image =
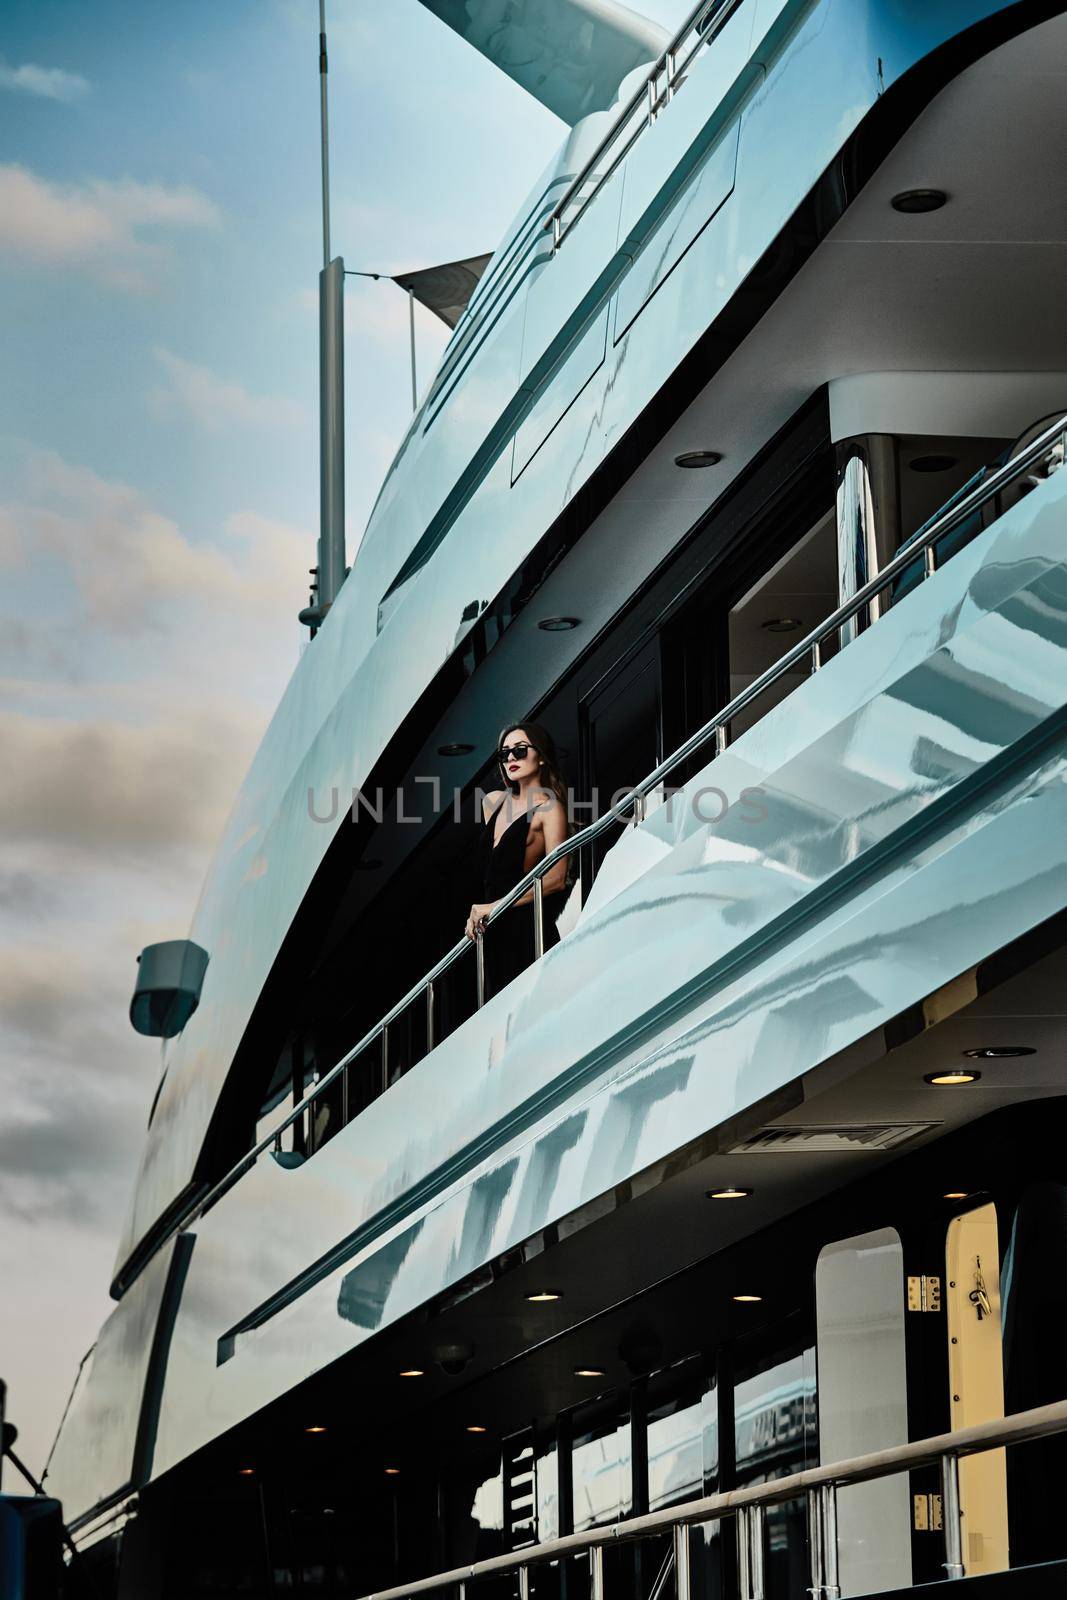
<point x="524" y="822"/>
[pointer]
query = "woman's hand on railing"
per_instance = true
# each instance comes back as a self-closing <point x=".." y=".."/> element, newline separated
<point x="479" y="915"/>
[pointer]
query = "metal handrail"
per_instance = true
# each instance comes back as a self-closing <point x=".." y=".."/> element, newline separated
<point x="819" y="1485"/>
<point x="922" y="545"/>
<point x="702" y="17"/>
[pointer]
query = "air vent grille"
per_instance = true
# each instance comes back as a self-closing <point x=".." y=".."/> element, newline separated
<point x="831" y="1138"/>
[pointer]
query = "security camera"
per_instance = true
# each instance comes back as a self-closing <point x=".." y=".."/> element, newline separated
<point x="453" y="1358"/>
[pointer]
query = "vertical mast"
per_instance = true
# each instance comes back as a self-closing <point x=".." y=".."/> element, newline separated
<point x="330" y="573"/>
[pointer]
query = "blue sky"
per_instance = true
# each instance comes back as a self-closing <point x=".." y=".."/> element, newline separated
<point x="160" y="242"/>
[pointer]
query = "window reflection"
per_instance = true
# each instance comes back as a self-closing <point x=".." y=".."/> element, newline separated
<point x="682" y="1434"/>
<point x="776" y="1433"/>
<point x="600" y="1465"/>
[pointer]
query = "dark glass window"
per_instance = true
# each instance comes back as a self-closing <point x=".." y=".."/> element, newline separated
<point x="601" y="1470"/>
<point x="775" y="1434"/>
<point x="682" y="1435"/>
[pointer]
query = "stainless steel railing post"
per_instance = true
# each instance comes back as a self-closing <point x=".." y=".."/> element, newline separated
<point x="429" y="1017"/>
<point x="950" y="1503"/>
<point x="596" y="1572"/>
<point x="828" y="1528"/>
<point x="816" y="1569"/>
<point x="744" y="1556"/>
<point x="524" y="1583"/>
<point x="479" y="959"/>
<point x="929" y="561"/>
<point x="681" y="1561"/>
<point x="757" y="1525"/>
<point x="385" y="1059"/>
<point x="539" y="919"/>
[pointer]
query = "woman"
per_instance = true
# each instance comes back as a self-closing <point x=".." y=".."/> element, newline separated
<point x="524" y="822"/>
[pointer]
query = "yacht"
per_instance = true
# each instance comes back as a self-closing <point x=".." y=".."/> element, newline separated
<point x="720" y="1253"/>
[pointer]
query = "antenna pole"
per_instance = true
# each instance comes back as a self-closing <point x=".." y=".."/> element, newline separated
<point x="411" y="325"/>
<point x="324" y="104"/>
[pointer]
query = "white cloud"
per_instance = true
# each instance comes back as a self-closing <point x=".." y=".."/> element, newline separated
<point x="51" y="83"/>
<point x="217" y="404"/>
<point x="107" y="228"/>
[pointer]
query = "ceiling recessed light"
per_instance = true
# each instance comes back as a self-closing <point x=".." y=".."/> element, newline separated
<point x="952" y="1075"/>
<point x="454" y="749"/>
<point x="933" y="463"/>
<point x="781" y="625"/>
<point x="957" y="1194"/>
<point x="476" y="1427"/>
<point x="748" y="1299"/>
<point x="246" y="1472"/>
<point x="698" y="458"/>
<point x="589" y="1372"/>
<point x="558" y="624"/>
<point x="392" y="1472"/>
<point x="542" y="1296"/>
<point x="316" y="1427"/>
<point x="914" y="201"/>
<point x="411" y="1372"/>
<point x="729" y="1193"/>
<point x="1000" y="1052"/>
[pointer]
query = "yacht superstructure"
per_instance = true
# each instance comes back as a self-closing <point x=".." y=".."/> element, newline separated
<point x="742" y="472"/>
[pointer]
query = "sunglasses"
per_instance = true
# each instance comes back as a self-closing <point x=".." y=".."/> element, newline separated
<point x="519" y="751"/>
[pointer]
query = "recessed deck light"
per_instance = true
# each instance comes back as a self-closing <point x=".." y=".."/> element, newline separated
<point x="316" y="1427"/>
<point x="952" y="1076"/>
<point x="392" y="1472"/>
<point x="589" y="1372"/>
<point x="698" y="458"/>
<point x="748" y="1299"/>
<point x="542" y="1296"/>
<point x="729" y="1193"/>
<point x="914" y="201"/>
<point x="454" y="749"/>
<point x="933" y="463"/>
<point x="1000" y="1052"/>
<point x="411" y="1372"/>
<point x="246" y="1472"/>
<point x="476" y="1427"/>
<point x="558" y="624"/>
<point x="957" y="1194"/>
<point x="781" y="625"/>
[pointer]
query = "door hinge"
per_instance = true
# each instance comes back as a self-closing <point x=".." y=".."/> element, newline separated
<point x="926" y="1513"/>
<point x="924" y="1294"/>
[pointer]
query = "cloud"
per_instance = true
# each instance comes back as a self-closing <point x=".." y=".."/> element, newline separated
<point x="217" y="404"/>
<point x="133" y="568"/>
<point x="51" y="83"/>
<point x="107" y="228"/>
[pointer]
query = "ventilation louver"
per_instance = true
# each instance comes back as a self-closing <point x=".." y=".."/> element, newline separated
<point x="831" y="1138"/>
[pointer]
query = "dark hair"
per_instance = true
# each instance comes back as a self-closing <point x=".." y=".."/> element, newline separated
<point x="541" y="741"/>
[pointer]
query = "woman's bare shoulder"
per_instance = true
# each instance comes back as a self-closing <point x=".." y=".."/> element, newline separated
<point x="490" y="803"/>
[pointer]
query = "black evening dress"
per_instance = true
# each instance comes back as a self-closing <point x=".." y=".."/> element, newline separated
<point x="508" y="941"/>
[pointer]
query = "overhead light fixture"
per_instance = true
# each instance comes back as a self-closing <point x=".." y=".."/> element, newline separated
<point x="558" y="624"/>
<point x="781" y="625"/>
<point x="933" y="463"/>
<point x="747" y="1299"/>
<point x="957" y="1194"/>
<point x="454" y="749"/>
<point x="392" y="1472"/>
<point x="589" y="1372"/>
<point x="698" y="458"/>
<point x="952" y="1075"/>
<point x="246" y="1472"/>
<point x="411" y="1372"/>
<point x="542" y="1296"/>
<point x="316" y="1427"/>
<point x="1000" y="1052"/>
<point x="729" y="1193"/>
<point x="912" y="202"/>
<point x="476" y="1427"/>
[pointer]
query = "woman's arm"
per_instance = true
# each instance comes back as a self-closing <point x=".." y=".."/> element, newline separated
<point x="554" y="829"/>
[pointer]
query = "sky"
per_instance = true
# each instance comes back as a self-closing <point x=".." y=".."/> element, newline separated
<point x="160" y="242"/>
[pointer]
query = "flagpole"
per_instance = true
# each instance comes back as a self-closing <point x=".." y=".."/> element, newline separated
<point x="323" y="74"/>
